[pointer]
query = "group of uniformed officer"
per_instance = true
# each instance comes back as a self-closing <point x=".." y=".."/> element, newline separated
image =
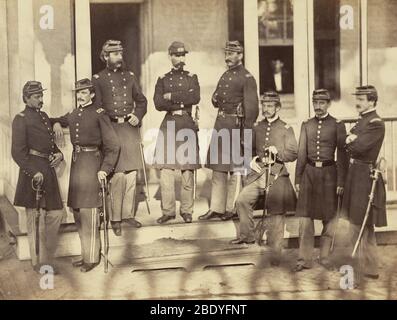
<point x="105" y="134"/>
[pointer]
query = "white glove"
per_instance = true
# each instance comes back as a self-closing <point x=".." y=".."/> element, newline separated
<point x="255" y="165"/>
<point x="350" y="138"/>
<point x="101" y="175"/>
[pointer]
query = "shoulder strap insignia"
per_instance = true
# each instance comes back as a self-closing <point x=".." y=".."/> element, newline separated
<point x="162" y="77"/>
<point x="249" y="75"/>
<point x="131" y="73"/>
<point x="21" y="114"/>
<point x="191" y="74"/>
<point x="100" y="110"/>
<point x="287" y="126"/>
<point x="338" y="121"/>
<point x="375" y="120"/>
<point x="96" y="76"/>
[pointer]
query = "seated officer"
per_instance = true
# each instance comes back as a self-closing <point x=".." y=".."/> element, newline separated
<point x="275" y="136"/>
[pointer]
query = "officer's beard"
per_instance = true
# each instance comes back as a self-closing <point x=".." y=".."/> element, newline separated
<point x="116" y="65"/>
<point x="179" y="65"/>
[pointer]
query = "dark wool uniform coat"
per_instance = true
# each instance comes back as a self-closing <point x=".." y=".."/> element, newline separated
<point x="319" y="139"/>
<point x="32" y="129"/>
<point x="235" y="86"/>
<point x="185" y="92"/>
<point x="370" y="131"/>
<point x="119" y="93"/>
<point x="281" y="196"/>
<point x="89" y="127"/>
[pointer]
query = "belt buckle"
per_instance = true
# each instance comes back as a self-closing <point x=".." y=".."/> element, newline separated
<point x="318" y="164"/>
<point x="178" y="112"/>
<point x="351" y="161"/>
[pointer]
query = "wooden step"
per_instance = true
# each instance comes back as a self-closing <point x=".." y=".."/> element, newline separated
<point x="189" y="255"/>
<point x="69" y="242"/>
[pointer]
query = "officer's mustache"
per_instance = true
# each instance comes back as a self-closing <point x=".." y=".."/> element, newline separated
<point x="318" y="110"/>
<point x="227" y="60"/>
<point x="180" y="64"/>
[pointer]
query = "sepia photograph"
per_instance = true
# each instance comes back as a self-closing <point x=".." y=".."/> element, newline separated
<point x="196" y="155"/>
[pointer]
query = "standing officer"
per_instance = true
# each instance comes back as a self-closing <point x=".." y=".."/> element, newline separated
<point x="118" y="92"/>
<point x="319" y="180"/>
<point x="270" y="135"/>
<point x="363" y="144"/>
<point x="95" y="152"/>
<point x="176" y="92"/>
<point x="236" y="89"/>
<point x="35" y="152"/>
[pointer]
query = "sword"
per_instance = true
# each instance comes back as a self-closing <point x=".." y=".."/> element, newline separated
<point x="380" y="167"/>
<point x="37" y="187"/>
<point x="337" y="222"/>
<point x="103" y="214"/>
<point x="147" y="196"/>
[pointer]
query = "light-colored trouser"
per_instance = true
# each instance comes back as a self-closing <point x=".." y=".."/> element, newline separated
<point x="275" y="222"/>
<point x="87" y="222"/>
<point x="122" y="196"/>
<point x="49" y="223"/>
<point x="167" y="186"/>
<point x="306" y="240"/>
<point x="224" y="191"/>
<point x="366" y="261"/>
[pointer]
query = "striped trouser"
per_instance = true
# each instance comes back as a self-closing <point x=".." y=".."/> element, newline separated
<point x="87" y="222"/>
<point x="49" y="223"/>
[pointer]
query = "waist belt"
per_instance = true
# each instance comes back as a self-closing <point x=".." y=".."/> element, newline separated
<point x="121" y="119"/>
<point x="39" y="154"/>
<point x="356" y="161"/>
<point x="180" y="113"/>
<point x="223" y="113"/>
<point x="77" y="148"/>
<point x="321" y="164"/>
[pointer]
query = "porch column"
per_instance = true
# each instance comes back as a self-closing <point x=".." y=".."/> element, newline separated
<point x="83" y="39"/>
<point x="251" y="38"/>
<point x="303" y="57"/>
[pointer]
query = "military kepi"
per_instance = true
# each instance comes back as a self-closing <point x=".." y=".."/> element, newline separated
<point x="32" y="87"/>
<point x="83" y="84"/>
<point x="177" y="48"/>
<point x="234" y="46"/>
<point x="270" y="96"/>
<point x="112" y="46"/>
<point x="366" y="90"/>
<point x="321" y="94"/>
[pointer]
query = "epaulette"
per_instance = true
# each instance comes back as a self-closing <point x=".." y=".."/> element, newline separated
<point x="100" y="110"/>
<point x="190" y="74"/>
<point x="375" y="120"/>
<point x="249" y="75"/>
<point x="131" y="73"/>
<point x="162" y="77"/>
<point x="96" y="76"/>
<point x="338" y="120"/>
<point x="21" y="114"/>
<point x="287" y="126"/>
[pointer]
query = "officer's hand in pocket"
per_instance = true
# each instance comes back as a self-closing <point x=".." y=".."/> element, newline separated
<point x="56" y="159"/>
<point x="255" y="165"/>
<point x="38" y="178"/>
<point x="101" y="175"/>
<point x="134" y="121"/>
